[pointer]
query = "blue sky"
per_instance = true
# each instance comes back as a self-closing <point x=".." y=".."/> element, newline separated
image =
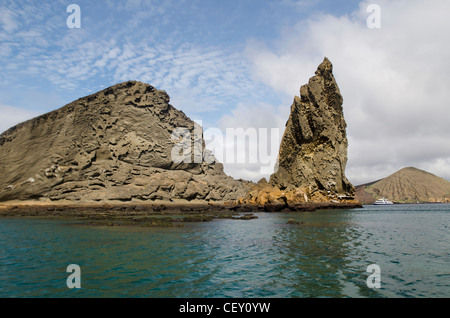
<point x="190" y="47"/>
<point x="240" y="63"/>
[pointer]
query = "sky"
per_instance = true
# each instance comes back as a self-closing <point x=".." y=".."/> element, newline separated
<point x="239" y="63"/>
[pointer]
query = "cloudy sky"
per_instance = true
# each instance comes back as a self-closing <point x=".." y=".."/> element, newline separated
<point x="239" y="64"/>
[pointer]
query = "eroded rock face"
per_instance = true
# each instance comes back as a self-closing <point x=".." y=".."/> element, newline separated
<point x="313" y="150"/>
<point x="113" y="145"/>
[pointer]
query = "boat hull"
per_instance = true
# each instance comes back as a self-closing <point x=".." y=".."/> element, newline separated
<point x="383" y="201"/>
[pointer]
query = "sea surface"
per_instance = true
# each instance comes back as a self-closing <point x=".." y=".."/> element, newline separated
<point x="326" y="255"/>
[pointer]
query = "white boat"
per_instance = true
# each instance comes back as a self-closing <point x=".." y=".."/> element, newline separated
<point x="383" y="201"/>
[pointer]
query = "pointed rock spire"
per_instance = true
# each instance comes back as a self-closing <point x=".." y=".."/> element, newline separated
<point x="313" y="150"/>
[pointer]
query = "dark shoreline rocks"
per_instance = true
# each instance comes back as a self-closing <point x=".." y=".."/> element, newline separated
<point x="153" y="215"/>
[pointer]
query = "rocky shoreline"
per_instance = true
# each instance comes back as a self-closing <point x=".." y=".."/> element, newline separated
<point x="152" y="214"/>
<point x="126" y="156"/>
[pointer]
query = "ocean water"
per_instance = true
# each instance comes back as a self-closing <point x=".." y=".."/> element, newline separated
<point x="327" y="255"/>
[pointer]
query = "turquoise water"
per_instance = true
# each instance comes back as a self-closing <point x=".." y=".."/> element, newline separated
<point x="326" y="256"/>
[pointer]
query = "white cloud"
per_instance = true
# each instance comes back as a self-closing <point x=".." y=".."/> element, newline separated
<point x="107" y="57"/>
<point x="12" y="116"/>
<point x="394" y="81"/>
<point x="197" y="79"/>
<point x="250" y="138"/>
<point x="8" y="20"/>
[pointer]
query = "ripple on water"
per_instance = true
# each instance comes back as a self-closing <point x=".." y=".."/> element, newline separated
<point x="325" y="256"/>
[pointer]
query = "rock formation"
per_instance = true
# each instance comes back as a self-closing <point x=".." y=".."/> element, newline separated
<point x="128" y="143"/>
<point x="313" y="150"/>
<point x="408" y="185"/>
<point x="113" y="145"/>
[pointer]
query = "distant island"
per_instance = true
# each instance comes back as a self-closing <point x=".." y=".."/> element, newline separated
<point x="115" y="148"/>
<point x="408" y="185"/>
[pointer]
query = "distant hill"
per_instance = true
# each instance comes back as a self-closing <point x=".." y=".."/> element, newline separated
<point x="408" y="185"/>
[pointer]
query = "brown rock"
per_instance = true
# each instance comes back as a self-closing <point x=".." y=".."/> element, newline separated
<point x="313" y="151"/>
<point x="112" y="145"/>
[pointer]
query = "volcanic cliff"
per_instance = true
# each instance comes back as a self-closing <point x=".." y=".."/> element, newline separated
<point x="313" y="150"/>
<point x="114" y="145"/>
